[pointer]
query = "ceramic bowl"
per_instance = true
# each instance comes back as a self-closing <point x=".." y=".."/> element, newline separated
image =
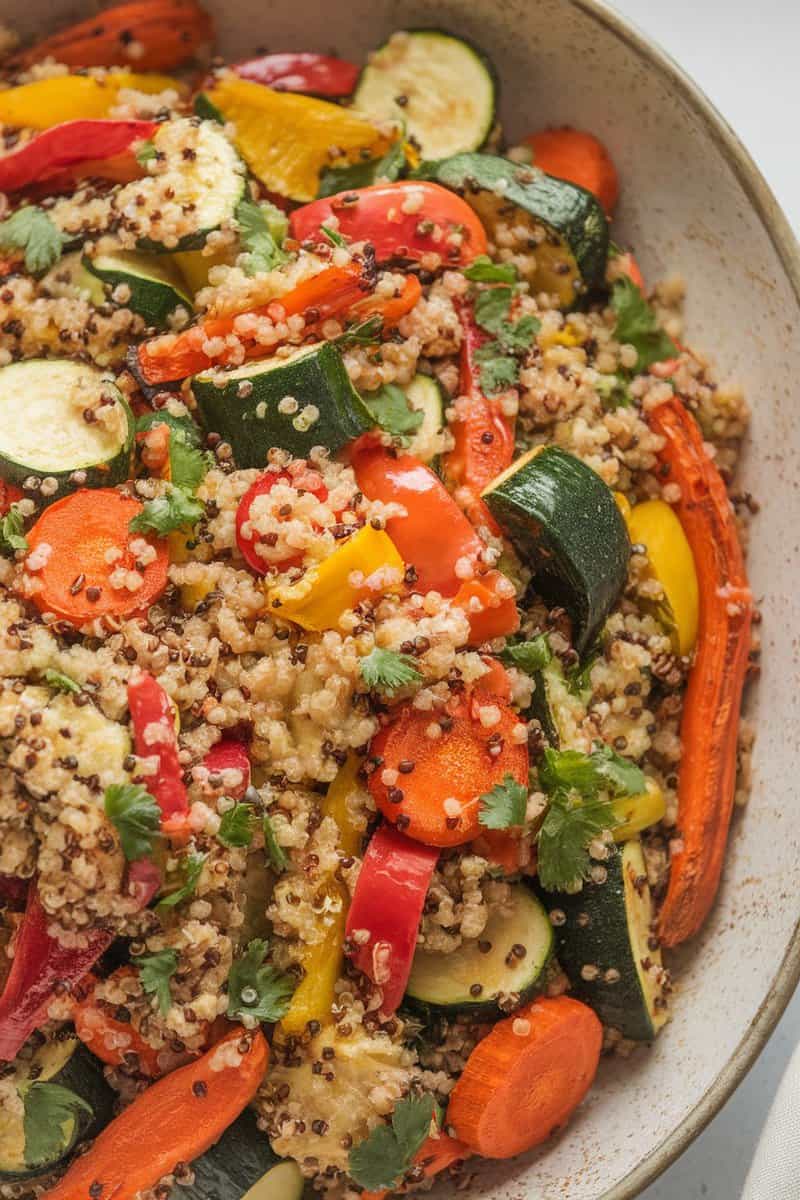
<point x="692" y="202"/>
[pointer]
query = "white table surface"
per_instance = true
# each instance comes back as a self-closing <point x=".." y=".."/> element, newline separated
<point x="744" y="55"/>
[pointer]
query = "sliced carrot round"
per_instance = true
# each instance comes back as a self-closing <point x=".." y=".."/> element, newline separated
<point x="578" y="157"/>
<point x="526" y="1078"/>
<point x="454" y="759"/>
<point x="72" y="549"/>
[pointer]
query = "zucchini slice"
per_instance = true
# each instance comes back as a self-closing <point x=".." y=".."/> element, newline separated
<point x="154" y="284"/>
<point x="292" y="403"/>
<point x="449" y="982"/>
<point x="564" y="521"/>
<point x="442" y="87"/>
<point x="425" y="395"/>
<point x="242" y="1164"/>
<point x="206" y="184"/>
<point x="69" y="279"/>
<point x="567" y="230"/>
<point x="43" y="432"/>
<point x="558" y="709"/>
<point x="65" y="1062"/>
<point x="606" y="951"/>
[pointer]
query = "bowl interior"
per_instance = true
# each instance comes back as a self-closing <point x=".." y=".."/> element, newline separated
<point x="689" y="205"/>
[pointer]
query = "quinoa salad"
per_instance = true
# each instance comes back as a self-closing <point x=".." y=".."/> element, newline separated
<point x="373" y="619"/>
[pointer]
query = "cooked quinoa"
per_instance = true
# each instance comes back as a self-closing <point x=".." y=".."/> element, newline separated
<point x="282" y="677"/>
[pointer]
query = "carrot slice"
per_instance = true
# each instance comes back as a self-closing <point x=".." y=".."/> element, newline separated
<point x="79" y="531"/>
<point x="578" y="157"/>
<point x="175" y="1120"/>
<point x="438" y="801"/>
<point x="526" y="1077"/>
<point x="710" y="722"/>
<point x="150" y="35"/>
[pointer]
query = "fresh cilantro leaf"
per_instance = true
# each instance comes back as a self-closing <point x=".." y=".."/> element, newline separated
<point x="387" y="670"/>
<point x="136" y="817"/>
<point x="637" y="325"/>
<point x="207" y="111"/>
<point x="363" y="174"/>
<point x="256" y="989"/>
<point x="191" y="869"/>
<point x="519" y="337"/>
<point x="363" y="333"/>
<point x="275" y="852"/>
<point x="568" y="828"/>
<point x="146" y="152"/>
<point x="492" y="307"/>
<point x="47" y="1108"/>
<point x="32" y="230"/>
<point x="390" y="409"/>
<point x="187" y="465"/>
<point x="333" y="237"/>
<point x="181" y="429"/>
<point x="504" y="805"/>
<point x="528" y="656"/>
<point x="11" y="536"/>
<point x="578" y="678"/>
<point x="62" y="683"/>
<point x="164" y="513"/>
<point x="262" y="252"/>
<point x="483" y="270"/>
<point x="382" y="1158"/>
<point x="155" y="972"/>
<point x="613" y="393"/>
<point x="588" y="774"/>
<point x="619" y="775"/>
<point x="498" y="370"/>
<point x="236" y="826"/>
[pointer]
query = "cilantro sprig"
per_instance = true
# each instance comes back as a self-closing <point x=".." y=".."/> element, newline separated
<point x="177" y="507"/>
<point x="390" y="409"/>
<point x="191" y="868"/>
<point x="275" y="851"/>
<point x="497" y="359"/>
<point x="135" y="815"/>
<point x="33" y="231"/>
<point x="236" y="825"/>
<point x="257" y="989"/>
<point x="11" y="536"/>
<point x="529" y="656"/>
<point x="155" y="972"/>
<point x="382" y="1158"/>
<point x="262" y="228"/>
<point x="46" y="1109"/>
<point x="162" y="514"/>
<point x="504" y="805"/>
<point x="637" y="325"/>
<point x="61" y="683"/>
<point x="483" y="270"/>
<point x="387" y="671"/>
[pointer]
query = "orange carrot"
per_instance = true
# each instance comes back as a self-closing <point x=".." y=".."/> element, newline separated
<point x="707" y="773"/>
<point x="145" y="35"/>
<point x="630" y="267"/>
<point x="450" y="771"/>
<point x="112" y="1040"/>
<point x="491" y="611"/>
<point x="578" y="157"/>
<point x="175" y="1120"/>
<point x="434" y="1155"/>
<point x="496" y="681"/>
<point x="333" y="291"/>
<point x="75" y="577"/>
<point x="526" y="1077"/>
<point x="500" y="848"/>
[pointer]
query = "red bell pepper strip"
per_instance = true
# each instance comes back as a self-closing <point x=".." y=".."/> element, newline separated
<point x="9" y="494"/>
<point x="710" y="721"/>
<point x="154" y="736"/>
<point x="229" y="754"/>
<point x="408" y="219"/>
<point x="331" y="293"/>
<point x="143" y="881"/>
<point x="40" y="967"/>
<point x="112" y="1040"/>
<point x="384" y="915"/>
<point x="314" y="74"/>
<point x="248" y="540"/>
<point x="67" y="145"/>
<point x="13" y="892"/>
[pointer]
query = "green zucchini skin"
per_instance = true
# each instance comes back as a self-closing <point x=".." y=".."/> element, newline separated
<point x="252" y="424"/>
<point x="155" y="292"/>
<point x="108" y="473"/>
<point x="234" y="1164"/>
<point x="608" y="927"/>
<point x="564" y="521"/>
<point x="439" y="984"/>
<point x="572" y="259"/>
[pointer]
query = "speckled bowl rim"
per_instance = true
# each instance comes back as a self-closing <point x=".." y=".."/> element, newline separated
<point x="777" y="228"/>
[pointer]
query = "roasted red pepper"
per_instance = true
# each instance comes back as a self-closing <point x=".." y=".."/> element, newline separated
<point x="153" y="719"/>
<point x="13" y="892"/>
<point x="229" y="754"/>
<point x="68" y="145"/>
<point x="314" y="74"/>
<point x="9" y="494"/>
<point x="41" y="967"/>
<point x="386" y="908"/>
<point x="249" y="541"/>
<point x="405" y="220"/>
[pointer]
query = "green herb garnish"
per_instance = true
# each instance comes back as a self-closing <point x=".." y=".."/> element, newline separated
<point x="529" y="656"/>
<point x="155" y="972"/>
<point x="257" y="233"/>
<point x="31" y="229"/>
<point x="61" y="683"/>
<point x="637" y="325"/>
<point x="256" y="989"/>
<point x="135" y="815"/>
<point x="386" y="670"/>
<point x="175" y="509"/>
<point x="47" y="1109"/>
<point x="504" y="805"/>
<point x="11" y="536"/>
<point x="390" y="409"/>
<point x="382" y="1158"/>
<point x="191" y="868"/>
<point x="236" y="826"/>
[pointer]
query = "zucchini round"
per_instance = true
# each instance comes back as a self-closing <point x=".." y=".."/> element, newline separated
<point x="605" y="947"/>
<point x="292" y="403"/>
<point x="44" y="434"/>
<point x="243" y="1165"/>
<point x="424" y="394"/>
<point x="568" y="230"/>
<point x="154" y="284"/>
<point x="565" y="522"/>
<point x="442" y="87"/>
<point x="447" y="983"/>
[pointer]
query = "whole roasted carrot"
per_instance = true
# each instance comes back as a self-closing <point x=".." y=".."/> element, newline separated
<point x="175" y="1120"/>
<point x="150" y="35"/>
<point x="709" y="727"/>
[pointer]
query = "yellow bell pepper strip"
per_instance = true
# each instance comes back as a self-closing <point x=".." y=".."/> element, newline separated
<point x="636" y="813"/>
<point x="654" y="525"/>
<point x="49" y="102"/>
<point x="366" y="565"/>
<point x="323" y="962"/>
<point x="285" y="139"/>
